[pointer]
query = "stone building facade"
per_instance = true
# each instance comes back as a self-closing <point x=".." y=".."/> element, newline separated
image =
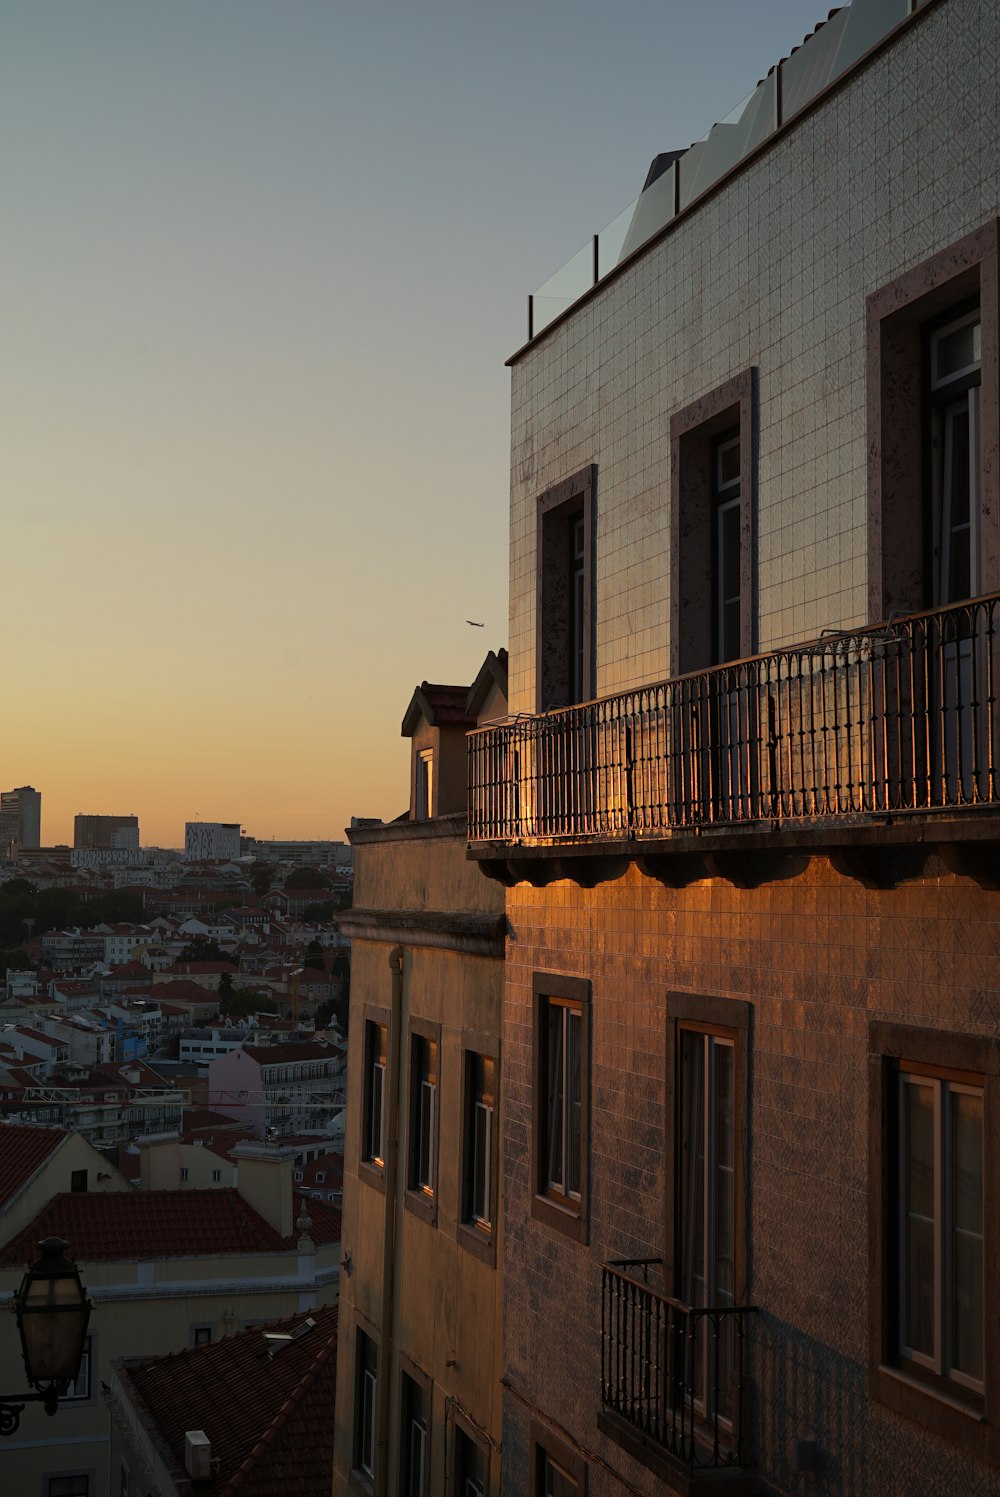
<point x="746" y="814"/>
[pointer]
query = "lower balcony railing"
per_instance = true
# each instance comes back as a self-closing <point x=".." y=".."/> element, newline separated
<point x="674" y="1373"/>
<point x="902" y="717"/>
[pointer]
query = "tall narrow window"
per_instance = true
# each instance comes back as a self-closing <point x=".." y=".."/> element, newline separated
<point x="564" y="587"/>
<point x="365" y="1397"/>
<point x="707" y="1201"/>
<point x="940" y="1225"/>
<point x="422" y="1170"/>
<point x="424" y="807"/>
<point x="560" y="1103"/>
<point x="477" y="1208"/>
<point x="955" y="378"/>
<point x="471" y="1466"/>
<point x="415" y="1452"/>
<point x="373" y="1101"/>
<point x="726" y="579"/>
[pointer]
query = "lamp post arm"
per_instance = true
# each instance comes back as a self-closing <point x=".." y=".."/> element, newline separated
<point x="12" y="1406"/>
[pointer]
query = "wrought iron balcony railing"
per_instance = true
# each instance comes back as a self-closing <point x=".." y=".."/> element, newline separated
<point x="902" y="717"/>
<point x="674" y="1373"/>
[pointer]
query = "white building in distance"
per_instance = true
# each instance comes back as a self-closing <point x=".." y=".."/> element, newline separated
<point x="217" y="840"/>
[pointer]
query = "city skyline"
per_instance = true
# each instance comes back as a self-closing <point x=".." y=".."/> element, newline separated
<point x="263" y="271"/>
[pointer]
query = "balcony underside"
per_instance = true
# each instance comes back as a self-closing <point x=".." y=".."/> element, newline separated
<point x="880" y="853"/>
<point x="731" y="1482"/>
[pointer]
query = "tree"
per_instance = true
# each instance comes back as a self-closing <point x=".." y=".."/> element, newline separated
<point x="203" y="950"/>
<point x="320" y="912"/>
<point x="225" y="990"/>
<point x="307" y="878"/>
<point x="261" y="875"/>
<point x="314" y="957"/>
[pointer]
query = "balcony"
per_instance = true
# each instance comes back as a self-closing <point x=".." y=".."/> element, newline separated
<point x="674" y="1380"/>
<point x="886" y="736"/>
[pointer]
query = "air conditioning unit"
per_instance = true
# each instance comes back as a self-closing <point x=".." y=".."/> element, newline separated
<point x="197" y="1455"/>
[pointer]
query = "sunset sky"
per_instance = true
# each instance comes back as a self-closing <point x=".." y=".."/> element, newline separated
<point x="262" y="262"/>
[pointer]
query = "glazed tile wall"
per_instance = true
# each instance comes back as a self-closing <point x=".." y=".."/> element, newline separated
<point x="772" y="272"/>
<point x="819" y="958"/>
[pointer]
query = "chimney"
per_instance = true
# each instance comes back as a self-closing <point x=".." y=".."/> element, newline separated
<point x="159" y="1161"/>
<point x="264" y="1180"/>
<point x="197" y="1455"/>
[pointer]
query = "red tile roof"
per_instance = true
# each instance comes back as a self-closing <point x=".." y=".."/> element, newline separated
<point x="23" y="1151"/>
<point x="154" y="1224"/>
<point x="325" y="1218"/>
<point x="268" y="1416"/>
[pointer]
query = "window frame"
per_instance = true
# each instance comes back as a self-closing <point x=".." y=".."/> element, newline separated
<point x="371" y="1167"/>
<point x="562" y="605"/>
<point x="943" y="1404"/>
<point x="423" y="789"/>
<point x="566" y="1213"/>
<point x="731" y="1020"/>
<point x="421" y="1196"/>
<point x="697" y="431"/>
<point x="413" y="1383"/>
<point x="365" y="1375"/>
<point x="87" y="1361"/>
<point x="899" y="317"/>
<point x="475" y="1234"/>
<point x="465" y="1434"/>
<point x="547" y="1446"/>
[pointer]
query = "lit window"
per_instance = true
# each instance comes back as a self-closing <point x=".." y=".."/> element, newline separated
<point x="424" y="804"/>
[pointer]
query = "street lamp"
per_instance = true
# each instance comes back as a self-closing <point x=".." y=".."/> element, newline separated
<point x="52" y="1311"/>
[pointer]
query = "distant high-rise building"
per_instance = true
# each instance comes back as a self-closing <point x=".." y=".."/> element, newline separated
<point x="21" y="816"/>
<point x="217" y="840"/>
<point x="106" y="831"/>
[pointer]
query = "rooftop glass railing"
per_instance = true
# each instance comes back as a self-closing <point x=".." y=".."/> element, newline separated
<point x="830" y="52"/>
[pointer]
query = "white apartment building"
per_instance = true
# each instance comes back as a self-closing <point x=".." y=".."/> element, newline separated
<point x="215" y="840"/>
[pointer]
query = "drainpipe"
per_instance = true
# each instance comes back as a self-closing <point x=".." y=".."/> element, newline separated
<point x="389" y="1227"/>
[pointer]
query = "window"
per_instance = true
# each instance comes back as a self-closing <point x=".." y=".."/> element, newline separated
<point x="414" y="1461"/>
<point x="79" y="1388"/>
<point x="564" y="592"/>
<point x="932" y="421"/>
<point x="712" y="501"/>
<point x="75" y="1485"/>
<point x="201" y="1335"/>
<point x="934" y="1108"/>
<point x="78" y="1181"/>
<point x="560" y="1102"/>
<point x="373" y="1100"/>
<point x="184" y="1174"/>
<point x="216" y="1177"/>
<point x="557" y="1470"/>
<point x="365" y="1396"/>
<point x="478" y="1141"/>
<point x="421" y="1169"/>
<point x="706" y="1227"/>
<point x="124" y="1482"/>
<point x="472" y="1469"/>
<point x="424" y="802"/>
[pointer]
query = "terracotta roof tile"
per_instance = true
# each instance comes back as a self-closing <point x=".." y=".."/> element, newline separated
<point x="154" y="1224"/>
<point x="267" y="1416"/>
<point x="23" y="1150"/>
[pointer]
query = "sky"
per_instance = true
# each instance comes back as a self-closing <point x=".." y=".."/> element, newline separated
<point x="261" y="264"/>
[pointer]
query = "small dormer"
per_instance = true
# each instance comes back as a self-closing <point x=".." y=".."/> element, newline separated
<point x="437" y="721"/>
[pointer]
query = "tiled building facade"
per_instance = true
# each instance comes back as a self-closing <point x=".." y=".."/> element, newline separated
<point x="699" y="916"/>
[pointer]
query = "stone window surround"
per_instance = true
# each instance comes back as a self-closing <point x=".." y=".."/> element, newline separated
<point x="572" y="1218"/>
<point x="577" y="493"/>
<point x="462" y="1424"/>
<point x="692" y="431"/>
<point x="895" y="317"/>
<point x="425" y="1383"/>
<point x="949" y="1413"/>
<point x="545" y="1441"/>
